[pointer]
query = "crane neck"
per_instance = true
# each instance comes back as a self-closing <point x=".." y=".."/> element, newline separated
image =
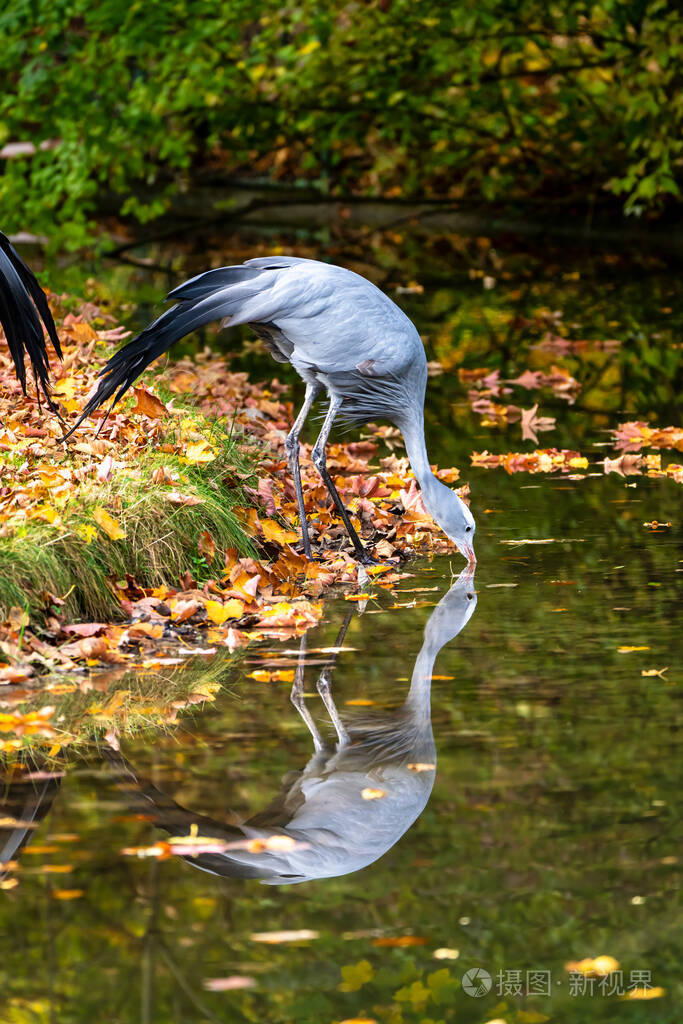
<point x="413" y="434"/>
<point x="417" y="701"/>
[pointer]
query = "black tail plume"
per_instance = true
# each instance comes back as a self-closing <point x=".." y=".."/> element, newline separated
<point x="211" y="296"/>
<point x="22" y="319"/>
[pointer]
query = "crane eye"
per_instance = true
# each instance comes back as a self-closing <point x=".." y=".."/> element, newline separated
<point x="467" y="529"/>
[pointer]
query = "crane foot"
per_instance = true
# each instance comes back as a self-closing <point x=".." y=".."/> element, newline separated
<point x="365" y="558"/>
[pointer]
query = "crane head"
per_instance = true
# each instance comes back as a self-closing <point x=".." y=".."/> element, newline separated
<point x="455" y="519"/>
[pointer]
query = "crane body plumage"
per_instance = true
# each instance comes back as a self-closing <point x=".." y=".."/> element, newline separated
<point x="340" y="333"/>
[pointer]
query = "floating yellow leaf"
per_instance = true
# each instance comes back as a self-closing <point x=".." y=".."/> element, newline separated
<point x="656" y="992"/>
<point x="399" y="941"/>
<point x="629" y="650"/>
<point x="369" y="793"/>
<point x="110" y="525"/>
<point x="359" y="1020"/>
<point x="273" y="938"/>
<point x="276" y="844"/>
<point x="161" y="850"/>
<point x="262" y="675"/>
<point x="230" y="984"/>
<point x="599" y="966"/>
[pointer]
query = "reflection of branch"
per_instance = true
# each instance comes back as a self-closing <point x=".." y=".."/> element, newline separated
<point x="148" y="950"/>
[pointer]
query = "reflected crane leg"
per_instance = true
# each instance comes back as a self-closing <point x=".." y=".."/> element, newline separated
<point x="299" y="701"/>
<point x="319" y="460"/>
<point x="292" y="449"/>
<point x="324" y="684"/>
<point x="324" y="687"/>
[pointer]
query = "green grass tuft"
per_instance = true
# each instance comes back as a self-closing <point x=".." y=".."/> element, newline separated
<point x="76" y="561"/>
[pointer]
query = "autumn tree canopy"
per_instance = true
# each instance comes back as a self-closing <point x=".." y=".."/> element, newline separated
<point x="503" y="103"/>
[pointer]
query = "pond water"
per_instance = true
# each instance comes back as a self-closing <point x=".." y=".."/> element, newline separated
<point x="513" y="739"/>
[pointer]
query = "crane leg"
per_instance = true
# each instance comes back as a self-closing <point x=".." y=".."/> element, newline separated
<point x="320" y="463"/>
<point x="292" y="449"/>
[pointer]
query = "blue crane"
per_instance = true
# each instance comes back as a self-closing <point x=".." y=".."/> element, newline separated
<point x="341" y="334"/>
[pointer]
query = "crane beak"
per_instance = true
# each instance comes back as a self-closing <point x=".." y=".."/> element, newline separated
<point x="468" y="552"/>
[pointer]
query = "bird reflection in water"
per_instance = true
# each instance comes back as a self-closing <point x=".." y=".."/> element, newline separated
<point x="356" y="796"/>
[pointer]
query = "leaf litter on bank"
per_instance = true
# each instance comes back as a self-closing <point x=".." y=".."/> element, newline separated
<point x="155" y="460"/>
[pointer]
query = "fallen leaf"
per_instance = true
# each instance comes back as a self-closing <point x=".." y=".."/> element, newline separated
<point x="85" y="628"/>
<point x="176" y="498"/>
<point x="199" y="453"/>
<point x="110" y="526"/>
<point x="104" y="469"/>
<point x="272" y="531"/>
<point x="82" y="332"/>
<point x="184" y="610"/>
<point x="206" y="546"/>
<point x="219" y="612"/>
<point x="15" y="674"/>
<point x="148" y="404"/>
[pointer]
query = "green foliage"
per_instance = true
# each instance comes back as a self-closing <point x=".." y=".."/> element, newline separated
<point x="459" y="101"/>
